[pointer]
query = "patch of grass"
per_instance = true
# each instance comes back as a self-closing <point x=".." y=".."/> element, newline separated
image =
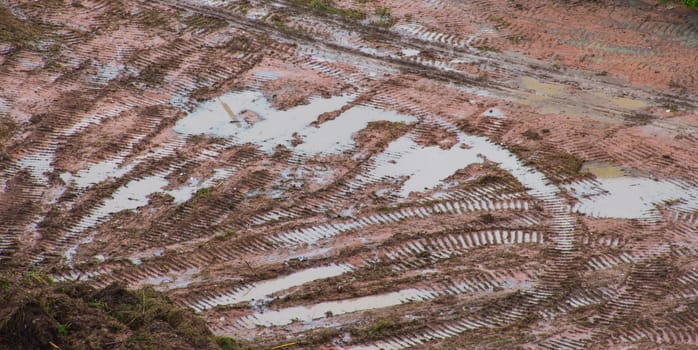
<point x="487" y="48"/>
<point x="515" y="39"/>
<point x="38" y="314"/>
<point x="153" y="18"/>
<point x="99" y="305"/>
<point x="562" y="164"/>
<point x="204" y="22"/>
<point x="39" y="277"/>
<point x="7" y="128"/>
<point x="152" y="75"/>
<point x="17" y="32"/>
<point x="241" y="44"/>
<point x="321" y="335"/>
<point x="638" y="119"/>
<point x="202" y="93"/>
<point x="63" y="329"/>
<point x="204" y="193"/>
<point x="489" y="179"/>
<point x="690" y="3"/>
<point x="380" y="327"/>
<point x="385" y="17"/>
<point x="506" y="255"/>
<point x="328" y="6"/>
<point x="531" y="135"/>
<point x="670" y="107"/>
<point x="226" y="235"/>
<point x="226" y="343"/>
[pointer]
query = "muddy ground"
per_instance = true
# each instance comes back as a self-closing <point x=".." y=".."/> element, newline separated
<point x="359" y="174"/>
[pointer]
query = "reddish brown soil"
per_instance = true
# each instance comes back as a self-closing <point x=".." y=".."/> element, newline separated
<point x="93" y="89"/>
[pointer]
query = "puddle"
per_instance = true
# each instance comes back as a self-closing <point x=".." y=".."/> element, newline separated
<point x="335" y="135"/>
<point x="4" y="105"/>
<point x="271" y="127"/>
<point x="617" y="194"/>
<point x="135" y="193"/>
<point x="264" y="289"/>
<point x="100" y="172"/>
<point x="602" y="170"/>
<point x="266" y="75"/>
<point x="132" y="195"/>
<point x="627" y="197"/>
<point x="38" y="164"/>
<point x="554" y="98"/>
<point x="413" y="157"/>
<point x="309" y="313"/>
<point x="548" y="89"/>
<point x="107" y="72"/>
<point x="185" y="192"/>
<point x="278" y="127"/>
<point x="628" y="103"/>
<point x="180" y="280"/>
<point x="409" y="52"/>
<point x="443" y="163"/>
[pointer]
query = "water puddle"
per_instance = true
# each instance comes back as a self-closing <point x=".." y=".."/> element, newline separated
<point x="309" y="313"/>
<point x="134" y="195"/>
<point x="184" y="192"/>
<point x="178" y="280"/>
<point x="275" y="127"/>
<point x="602" y="170"/>
<point x="618" y="193"/>
<point x="264" y="289"/>
<point x="336" y="135"/>
<point x="413" y="157"/>
<point x="4" y="105"/>
<point x="628" y="103"/>
<point x="409" y="52"/>
<point x="443" y="163"/>
<point x="547" y="89"/>
<point x="272" y="127"/>
<point x="267" y="75"/>
<point x="628" y="197"/>
<point x="38" y="165"/>
<point x="555" y="98"/>
<point x="99" y="172"/>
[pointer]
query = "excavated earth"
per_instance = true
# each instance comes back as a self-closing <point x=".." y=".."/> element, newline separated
<point x="377" y="174"/>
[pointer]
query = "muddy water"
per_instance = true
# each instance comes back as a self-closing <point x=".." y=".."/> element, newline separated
<point x="221" y="118"/>
<point x="38" y="165"/>
<point x="184" y="192"/>
<point x="99" y="172"/>
<point x="403" y="157"/>
<point x="602" y="170"/>
<point x="548" y="89"/>
<point x="615" y="194"/>
<point x="133" y="195"/>
<point x="409" y="52"/>
<point x="624" y="197"/>
<point x="412" y="161"/>
<point x="264" y="289"/>
<point x="628" y="103"/>
<point x="322" y="310"/>
<point x="547" y="98"/>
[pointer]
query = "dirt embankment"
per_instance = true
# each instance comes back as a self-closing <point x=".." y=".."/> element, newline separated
<point x="37" y="313"/>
